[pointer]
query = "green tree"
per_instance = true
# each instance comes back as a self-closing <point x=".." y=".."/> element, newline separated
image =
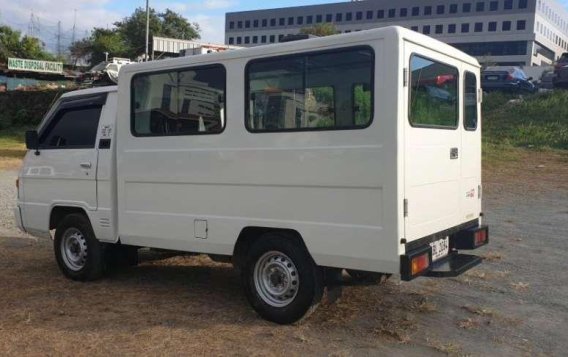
<point x="12" y="44"/>
<point x="323" y="29"/>
<point x="128" y="37"/>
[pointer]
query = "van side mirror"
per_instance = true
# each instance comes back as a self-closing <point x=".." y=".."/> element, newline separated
<point x="32" y="141"/>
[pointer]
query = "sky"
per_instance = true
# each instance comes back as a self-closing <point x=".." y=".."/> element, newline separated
<point x="209" y="14"/>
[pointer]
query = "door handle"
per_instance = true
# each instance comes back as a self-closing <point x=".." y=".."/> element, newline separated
<point x="85" y="165"/>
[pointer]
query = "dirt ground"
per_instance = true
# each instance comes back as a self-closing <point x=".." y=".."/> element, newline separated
<point x="515" y="303"/>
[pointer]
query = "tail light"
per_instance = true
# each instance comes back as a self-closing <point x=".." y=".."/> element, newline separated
<point x="420" y="263"/>
<point x="415" y="263"/>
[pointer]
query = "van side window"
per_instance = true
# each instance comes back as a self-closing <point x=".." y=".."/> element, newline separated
<point x="433" y="94"/>
<point x="325" y="90"/>
<point x="470" y="101"/>
<point x="180" y="102"/>
<point x="72" y="129"/>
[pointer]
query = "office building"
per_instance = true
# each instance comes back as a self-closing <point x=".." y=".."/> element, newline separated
<point x="504" y="32"/>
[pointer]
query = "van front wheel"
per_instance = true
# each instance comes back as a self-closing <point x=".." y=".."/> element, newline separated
<point x="78" y="253"/>
<point x="282" y="282"/>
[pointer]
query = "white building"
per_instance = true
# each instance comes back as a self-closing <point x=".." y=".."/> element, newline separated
<point x="504" y="32"/>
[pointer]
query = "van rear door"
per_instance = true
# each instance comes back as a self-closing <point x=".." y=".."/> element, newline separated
<point x="432" y="137"/>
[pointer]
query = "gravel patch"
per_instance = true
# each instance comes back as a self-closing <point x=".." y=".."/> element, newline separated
<point x="7" y="203"/>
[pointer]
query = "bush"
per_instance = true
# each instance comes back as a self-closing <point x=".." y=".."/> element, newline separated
<point x="25" y="108"/>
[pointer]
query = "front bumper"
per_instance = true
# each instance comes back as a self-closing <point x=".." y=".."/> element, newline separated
<point x="418" y="258"/>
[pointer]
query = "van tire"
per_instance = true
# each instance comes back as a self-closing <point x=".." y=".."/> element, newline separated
<point x="79" y="255"/>
<point x="360" y="276"/>
<point x="293" y="271"/>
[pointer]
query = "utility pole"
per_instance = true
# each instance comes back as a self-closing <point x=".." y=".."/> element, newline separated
<point x="58" y="38"/>
<point x="74" y="26"/>
<point x="147" y="29"/>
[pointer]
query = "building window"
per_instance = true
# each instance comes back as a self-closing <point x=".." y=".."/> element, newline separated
<point x="319" y="18"/>
<point x="231" y="40"/>
<point x="427" y="107"/>
<point x="240" y="24"/>
<point x="494" y="5"/>
<point x="426" y="29"/>
<point x="380" y="14"/>
<point x="247" y="39"/>
<point x="369" y="15"/>
<point x="282" y="21"/>
<point x="452" y="28"/>
<point x="504" y="48"/>
<point x="272" y="38"/>
<point x="255" y="23"/>
<point x="403" y="12"/>
<point x="232" y="24"/>
<point x="348" y="16"/>
<point x="392" y="13"/>
<point x="492" y="26"/>
<point x="453" y="8"/>
<point x="480" y="6"/>
<point x="247" y="24"/>
<point x="523" y="4"/>
<point x="427" y="10"/>
<point x="309" y="19"/>
<point x="263" y="38"/>
<point x="306" y="100"/>
<point x="264" y="22"/>
<point x="466" y="7"/>
<point x="506" y="26"/>
<point x="465" y="28"/>
<point x="440" y="9"/>
<point x="359" y="15"/>
<point x="290" y="21"/>
<point x="255" y="39"/>
<point x="272" y="22"/>
<point x="300" y="20"/>
<point x="239" y="40"/>
<point x="508" y="4"/>
<point x="328" y="18"/>
<point x="478" y="27"/>
<point x="338" y="17"/>
<point x="414" y="28"/>
<point x="280" y="37"/>
<point x="415" y="11"/>
<point x="521" y="25"/>
<point x="439" y="29"/>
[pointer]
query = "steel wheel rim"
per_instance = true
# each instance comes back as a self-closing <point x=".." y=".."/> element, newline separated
<point x="74" y="249"/>
<point x="276" y="279"/>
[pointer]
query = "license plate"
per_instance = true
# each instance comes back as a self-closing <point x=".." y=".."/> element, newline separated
<point x="440" y="248"/>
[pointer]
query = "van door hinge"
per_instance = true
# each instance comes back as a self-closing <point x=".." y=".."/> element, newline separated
<point x="405" y="77"/>
<point x="405" y="204"/>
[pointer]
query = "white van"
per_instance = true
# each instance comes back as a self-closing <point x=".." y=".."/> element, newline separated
<point x="359" y="151"/>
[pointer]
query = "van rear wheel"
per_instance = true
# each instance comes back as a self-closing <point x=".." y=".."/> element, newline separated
<point x="78" y="253"/>
<point x="282" y="282"/>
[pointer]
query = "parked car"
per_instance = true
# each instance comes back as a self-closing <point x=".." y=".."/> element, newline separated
<point x="561" y="72"/>
<point x="512" y="80"/>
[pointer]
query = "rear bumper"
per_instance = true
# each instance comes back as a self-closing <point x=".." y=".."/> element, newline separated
<point x="468" y="236"/>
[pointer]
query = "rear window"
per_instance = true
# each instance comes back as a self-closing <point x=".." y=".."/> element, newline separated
<point x="433" y="94"/>
<point x="470" y="101"/>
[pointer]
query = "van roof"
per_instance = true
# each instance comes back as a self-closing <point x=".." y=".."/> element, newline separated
<point x="313" y="43"/>
<point x="96" y="90"/>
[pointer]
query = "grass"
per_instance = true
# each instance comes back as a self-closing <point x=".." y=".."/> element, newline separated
<point x="12" y="148"/>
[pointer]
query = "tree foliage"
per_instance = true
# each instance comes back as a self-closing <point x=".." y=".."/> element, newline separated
<point x="13" y="44"/>
<point x="323" y="29"/>
<point x="127" y="38"/>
